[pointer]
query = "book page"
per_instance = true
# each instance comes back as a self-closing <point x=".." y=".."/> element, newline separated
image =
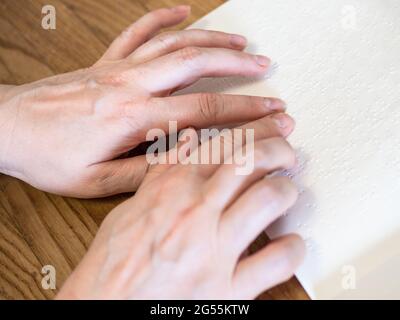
<point x="337" y="65"/>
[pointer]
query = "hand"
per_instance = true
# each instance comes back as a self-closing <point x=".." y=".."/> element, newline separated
<point x="66" y="134"/>
<point x="158" y="245"/>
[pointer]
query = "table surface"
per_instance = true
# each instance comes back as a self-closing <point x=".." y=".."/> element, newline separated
<point x="37" y="228"/>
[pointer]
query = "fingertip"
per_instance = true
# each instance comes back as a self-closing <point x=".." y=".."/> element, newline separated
<point x="294" y="246"/>
<point x="289" y="252"/>
<point x="274" y="104"/>
<point x="284" y="122"/>
<point x="262" y="61"/>
<point x="297" y="248"/>
<point x="238" y="41"/>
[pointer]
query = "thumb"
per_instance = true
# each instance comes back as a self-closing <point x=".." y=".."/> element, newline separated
<point x="187" y="142"/>
<point x="126" y="175"/>
<point x="119" y="176"/>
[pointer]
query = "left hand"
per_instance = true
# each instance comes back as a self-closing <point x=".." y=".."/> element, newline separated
<point x="65" y="134"/>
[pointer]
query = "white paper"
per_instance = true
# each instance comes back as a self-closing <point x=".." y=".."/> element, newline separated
<point x="337" y="64"/>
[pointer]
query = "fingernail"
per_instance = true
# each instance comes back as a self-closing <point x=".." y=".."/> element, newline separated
<point x="180" y="9"/>
<point x="238" y="41"/>
<point x="263" y="61"/>
<point x="282" y="120"/>
<point x="274" y="104"/>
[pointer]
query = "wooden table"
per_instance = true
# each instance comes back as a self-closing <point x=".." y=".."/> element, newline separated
<point x="37" y="228"/>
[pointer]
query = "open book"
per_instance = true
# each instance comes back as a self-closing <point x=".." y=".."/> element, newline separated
<point x="337" y="65"/>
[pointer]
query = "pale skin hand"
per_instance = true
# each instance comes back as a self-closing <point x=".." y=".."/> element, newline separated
<point x="64" y="134"/>
<point x="160" y="246"/>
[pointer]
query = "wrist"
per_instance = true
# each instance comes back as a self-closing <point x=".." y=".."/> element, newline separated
<point x="8" y="116"/>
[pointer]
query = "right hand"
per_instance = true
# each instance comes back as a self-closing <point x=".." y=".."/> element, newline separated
<point x="183" y="234"/>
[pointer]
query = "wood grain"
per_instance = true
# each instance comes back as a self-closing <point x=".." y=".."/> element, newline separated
<point x="38" y="228"/>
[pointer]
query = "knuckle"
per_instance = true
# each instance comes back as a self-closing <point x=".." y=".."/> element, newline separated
<point x="101" y="182"/>
<point x="167" y="187"/>
<point x="278" y="194"/>
<point x="211" y="105"/>
<point x="172" y="180"/>
<point x="274" y="192"/>
<point x="167" y="39"/>
<point x="127" y="33"/>
<point x="266" y="126"/>
<point x="256" y="103"/>
<point x="190" y="54"/>
<point x="111" y="79"/>
<point x="285" y="188"/>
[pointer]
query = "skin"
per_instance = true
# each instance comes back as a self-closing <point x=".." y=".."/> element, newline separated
<point x="67" y="135"/>
<point x="159" y="246"/>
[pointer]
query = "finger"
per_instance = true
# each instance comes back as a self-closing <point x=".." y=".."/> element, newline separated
<point x="264" y="128"/>
<point x="208" y="109"/>
<point x="232" y="146"/>
<point x="274" y="264"/>
<point x="266" y="157"/>
<point x="172" y="41"/>
<point x="183" y="67"/>
<point x="275" y="125"/>
<point x="254" y="210"/>
<point x="187" y="142"/>
<point x="119" y="176"/>
<point x="143" y="29"/>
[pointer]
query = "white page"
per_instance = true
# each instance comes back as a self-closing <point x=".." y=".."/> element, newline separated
<point x="337" y="64"/>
